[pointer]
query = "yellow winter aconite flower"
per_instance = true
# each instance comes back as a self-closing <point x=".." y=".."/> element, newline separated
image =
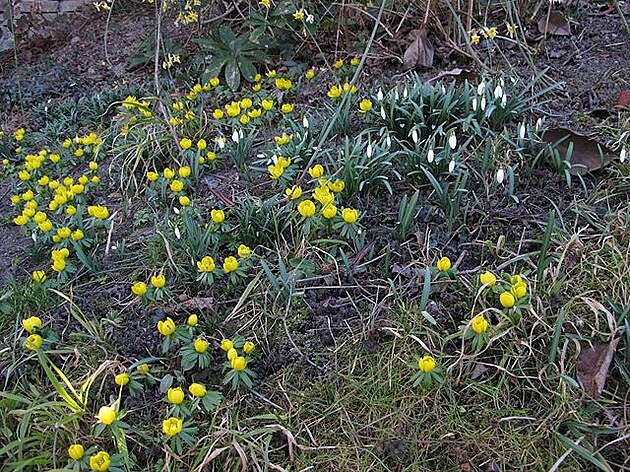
<point x="231" y="354"/>
<point x="257" y="87"/>
<point x="121" y="379"/>
<point x="490" y="32"/>
<point x="349" y="215"/>
<point x="299" y="14"/>
<point x="334" y="92"/>
<point x="243" y="251"/>
<point x="316" y="171"/>
<point x="166" y="327"/>
<point x="31" y="323"/>
<point x="329" y="211"/>
<point x="230" y="264"/>
<point x="197" y="390"/>
<point x="158" y="281"/>
<point x="282" y="140"/>
<point x="519" y="290"/>
<point x="64" y="232"/>
<point x="355" y="61"/>
<point x="255" y="112"/>
<point x="185" y="143"/>
<point x="77" y="235"/>
<point x="177" y="185"/>
<point x="201" y="345"/>
<point x="184" y="171"/>
<point x="98" y="211"/>
<point x="214" y="81"/>
<point x="184" y="201"/>
<point x="283" y="84"/>
<point x="175" y="395"/>
<point x="426" y="364"/>
<point x="39" y="276"/>
<point x="276" y="170"/>
<point x="139" y="288"/>
<point x="106" y="415"/>
<point x="338" y="64"/>
<point x="218" y="216"/>
<point x="267" y="104"/>
<point x="293" y="193"/>
<point x="206" y="264"/>
<point x="488" y="278"/>
<point x="24" y="175"/>
<point x="172" y="426"/>
<point x="34" y="342"/>
<point x="243" y="119"/>
<point x="20" y="220"/>
<point x="192" y="320"/>
<point x="479" y="324"/>
<point x="337" y="186"/>
<point x="226" y="345"/>
<point x="76" y="452"/>
<point x="233" y="109"/>
<point x="239" y="363"/>
<point x="309" y="74"/>
<point x="511" y="29"/>
<point x="19" y="134"/>
<point x="143" y="369"/>
<point x="39" y="217"/>
<point x="286" y="108"/>
<point x="507" y="300"/>
<point x="100" y="461"/>
<point x="306" y="208"/>
<point x="365" y="105"/>
<point x="217" y="114"/>
<point x="323" y="195"/>
<point x="443" y="264"/>
<point x="248" y="347"/>
<point x="211" y="156"/>
<point x="515" y="279"/>
<point x="265" y="3"/>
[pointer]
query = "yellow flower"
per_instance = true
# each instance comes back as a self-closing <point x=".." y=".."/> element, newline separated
<point x="479" y="324"/>
<point x="511" y="29"/>
<point x="24" y="175"/>
<point x="239" y="363"/>
<point x="349" y="88"/>
<point x="257" y="87"/>
<point x="474" y="38"/>
<point x="79" y="152"/>
<point x="338" y="64"/>
<point x="244" y="252"/>
<point x="334" y="92"/>
<point x="293" y="193"/>
<point x="306" y="208"/>
<point x="201" y="345"/>
<point x="231" y="354"/>
<point x="20" y="220"/>
<point x="299" y="14"/>
<point x="98" y="211"/>
<point x="316" y="171"/>
<point x="158" y="281"/>
<point x="185" y="143"/>
<point x="355" y="61"/>
<point x="177" y="185"/>
<point x="175" y="395"/>
<point x="246" y="103"/>
<point x="329" y="211"/>
<point x="490" y="32"/>
<point x="265" y="3"/>
<point x="184" y="172"/>
<point x="39" y="276"/>
<point x="106" y="415"/>
<point x="139" y="288"/>
<point x="206" y="264"/>
<point x="58" y="265"/>
<point x="217" y="114"/>
<point x="276" y="170"/>
<point x="226" y="345"/>
<point x="365" y="105"/>
<point x="166" y="327"/>
<point x="282" y="140"/>
<point x="233" y="109"/>
<point x="287" y="108"/>
<point x="121" y="379"/>
<point x="255" y="112"/>
<point x="337" y="186"/>
<point x="426" y="364"/>
<point x="515" y="279"/>
<point x="309" y="74"/>
<point x="54" y="158"/>
<point x="519" y="290"/>
<point x="76" y="452"/>
<point x="34" y="342"/>
<point x="197" y="390"/>
<point x="323" y="195"/>
<point x="271" y="74"/>
<point x="19" y="134"/>
<point x="211" y="156"/>
<point x="488" y="278"/>
<point x="350" y="215"/>
<point x="214" y="81"/>
<point x="283" y="84"/>
<point x="444" y="264"/>
<point x="217" y="216"/>
<point x="77" y="235"/>
<point x="100" y="462"/>
<point x="32" y="323"/>
<point x="267" y="104"/>
<point x="172" y="426"/>
<point x="184" y="200"/>
<point x="143" y="369"/>
<point x="15" y="199"/>
<point x="507" y="300"/>
<point x="64" y="232"/>
<point x="248" y="347"/>
<point x="192" y="320"/>
<point x="230" y="264"/>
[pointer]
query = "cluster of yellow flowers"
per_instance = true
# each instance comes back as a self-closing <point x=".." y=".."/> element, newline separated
<point x="99" y="461"/>
<point x="337" y="90"/>
<point x="237" y="362"/>
<point x="141" y="289"/>
<point x="490" y="33"/>
<point x="230" y="263"/>
<point x="33" y="326"/>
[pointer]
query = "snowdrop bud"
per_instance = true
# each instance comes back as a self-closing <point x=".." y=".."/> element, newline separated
<point x="538" y="124"/>
<point x="483" y="103"/>
<point x="443" y="89"/>
<point x="383" y="113"/>
<point x="480" y="88"/>
<point x="235" y="136"/>
<point x="388" y="141"/>
<point x="452" y="141"/>
<point x="498" y="92"/>
<point x="474" y="104"/>
<point x="504" y="100"/>
<point x="379" y="95"/>
<point x="521" y="131"/>
<point x="623" y="155"/>
<point x="305" y="122"/>
<point x="396" y="96"/>
<point x="405" y="92"/>
<point x="369" y="150"/>
<point x="451" y="166"/>
<point x="430" y="156"/>
<point x="177" y="233"/>
<point x="221" y="142"/>
<point x="500" y="176"/>
<point x="176" y="211"/>
<point x="414" y="135"/>
<point x="240" y="133"/>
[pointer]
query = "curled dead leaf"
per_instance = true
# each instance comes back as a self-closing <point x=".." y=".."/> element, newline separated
<point x="623" y="100"/>
<point x="586" y="154"/>
<point x="557" y="24"/>
<point x="420" y="52"/>
<point x="592" y="367"/>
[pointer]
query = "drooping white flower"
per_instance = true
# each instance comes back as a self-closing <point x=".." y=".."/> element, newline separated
<point x="474" y="104"/>
<point x="235" y="136"/>
<point x="498" y="92"/>
<point x="369" y="150"/>
<point x="500" y="176"/>
<point x="430" y="156"/>
<point x="452" y="141"/>
<point x="521" y="131"/>
<point x="177" y="233"/>
<point x="482" y="105"/>
<point x="221" y="142"/>
<point x="504" y="100"/>
<point x="383" y="115"/>
<point x="388" y="141"/>
<point x="451" y="166"/>
<point x="305" y="122"/>
<point x="538" y="124"/>
<point x="379" y="95"/>
<point x="405" y="92"/>
<point x="623" y="155"/>
<point x="480" y="88"/>
<point x="414" y="135"/>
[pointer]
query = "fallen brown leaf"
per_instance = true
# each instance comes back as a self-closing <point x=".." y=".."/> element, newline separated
<point x="623" y="100"/>
<point x="592" y="367"/>
<point x="191" y="304"/>
<point x="557" y="25"/>
<point x="585" y="156"/>
<point x="420" y="51"/>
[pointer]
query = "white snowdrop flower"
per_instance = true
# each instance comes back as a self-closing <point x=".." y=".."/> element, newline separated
<point x="623" y="155"/>
<point x="443" y="89"/>
<point x="34" y="237"/>
<point x="402" y="125"/>
<point x="310" y="19"/>
<point x="502" y="82"/>
<point x="474" y="104"/>
<point x="240" y="133"/>
<point x="521" y="131"/>
<point x="480" y="88"/>
<point x="414" y="135"/>
<point x="430" y="156"/>
<point x="500" y="176"/>
<point x="383" y="113"/>
<point x="396" y="96"/>
<point x="388" y="141"/>
<point x="305" y="122"/>
<point x="452" y="141"/>
<point x="176" y="211"/>
<point x="369" y="150"/>
<point x="504" y="100"/>
<point x="405" y="92"/>
<point x="177" y="234"/>
<point x="379" y="95"/>
<point x="235" y="136"/>
<point x="451" y="166"/>
<point x="221" y="142"/>
<point x="113" y="247"/>
<point x="538" y="124"/>
<point x="482" y="105"/>
<point x="498" y="92"/>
